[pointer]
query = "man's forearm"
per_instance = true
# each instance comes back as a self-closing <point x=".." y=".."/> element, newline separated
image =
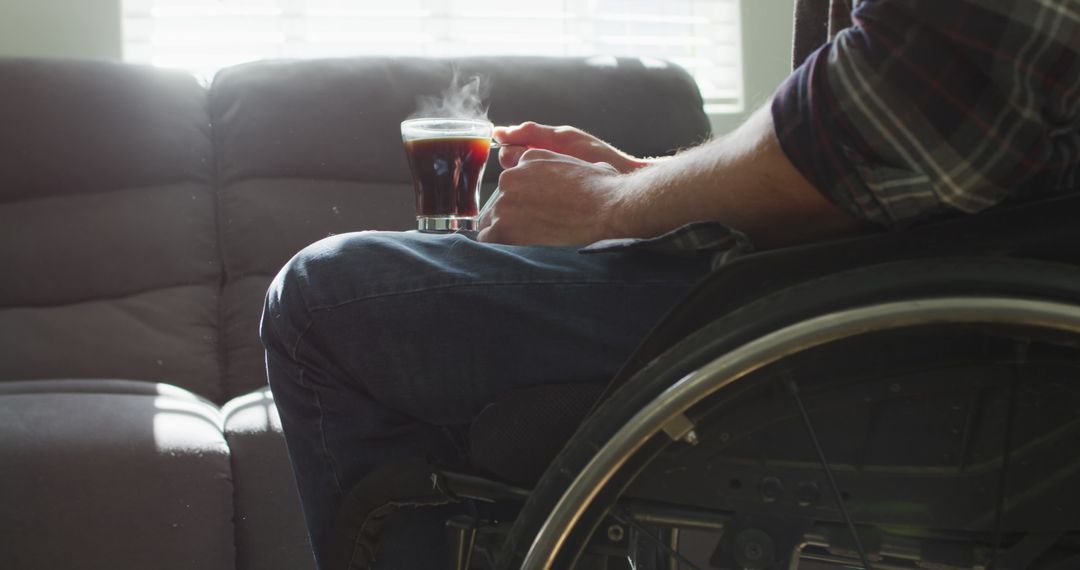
<point x="743" y="180"/>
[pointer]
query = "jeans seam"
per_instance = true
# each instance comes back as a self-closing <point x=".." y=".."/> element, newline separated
<point x="476" y="284"/>
<point x="295" y="351"/>
<point x="322" y="431"/>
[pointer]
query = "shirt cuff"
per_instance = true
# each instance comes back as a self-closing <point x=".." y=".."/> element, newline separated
<point x="820" y="141"/>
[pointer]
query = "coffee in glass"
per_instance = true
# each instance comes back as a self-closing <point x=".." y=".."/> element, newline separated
<point x="447" y="159"/>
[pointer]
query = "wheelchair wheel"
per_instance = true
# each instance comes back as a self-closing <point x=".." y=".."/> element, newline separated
<point x="908" y="415"/>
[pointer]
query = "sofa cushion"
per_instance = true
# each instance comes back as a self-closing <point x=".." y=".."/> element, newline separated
<point x="308" y="149"/>
<point x="108" y="230"/>
<point x="166" y="333"/>
<point x="132" y="475"/>
<point x="270" y="531"/>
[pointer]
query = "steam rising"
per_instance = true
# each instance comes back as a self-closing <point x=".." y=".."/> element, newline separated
<point x="465" y="98"/>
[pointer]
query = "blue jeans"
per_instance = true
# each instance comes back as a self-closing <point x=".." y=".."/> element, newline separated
<point x="381" y="346"/>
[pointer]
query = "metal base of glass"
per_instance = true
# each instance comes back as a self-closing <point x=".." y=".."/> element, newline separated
<point x="445" y="223"/>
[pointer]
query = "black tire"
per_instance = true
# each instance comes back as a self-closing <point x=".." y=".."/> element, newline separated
<point x="900" y="281"/>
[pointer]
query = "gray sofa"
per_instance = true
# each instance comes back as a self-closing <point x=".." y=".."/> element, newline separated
<point x="142" y="216"/>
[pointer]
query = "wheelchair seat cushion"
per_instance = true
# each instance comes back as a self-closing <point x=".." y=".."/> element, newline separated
<point x="516" y="437"/>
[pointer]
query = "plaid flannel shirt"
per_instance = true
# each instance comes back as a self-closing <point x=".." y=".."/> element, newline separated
<point x="916" y="109"/>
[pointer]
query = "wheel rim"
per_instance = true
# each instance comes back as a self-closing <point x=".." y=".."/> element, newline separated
<point x="761" y="352"/>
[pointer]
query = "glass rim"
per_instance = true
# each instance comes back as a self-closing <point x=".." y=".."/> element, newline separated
<point x="428" y="128"/>
<point x="450" y="120"/>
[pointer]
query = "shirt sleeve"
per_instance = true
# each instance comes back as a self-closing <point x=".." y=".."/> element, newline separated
<point x="925" y="108"/>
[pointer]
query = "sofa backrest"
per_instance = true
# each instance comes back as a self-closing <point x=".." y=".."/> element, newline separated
<point x="107" y="225"/>
<point x="308" y="149"/>
<point x="142" y="216"/>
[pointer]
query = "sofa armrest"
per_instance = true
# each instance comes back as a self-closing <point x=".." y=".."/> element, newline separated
<point x="125" y="477"/>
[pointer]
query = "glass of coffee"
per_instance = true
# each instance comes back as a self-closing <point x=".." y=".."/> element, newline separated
<point x="447" y="159"/>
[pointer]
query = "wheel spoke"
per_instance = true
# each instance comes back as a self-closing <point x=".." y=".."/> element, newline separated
<point x="628" y="520"/>
<point x="1006" y="454"/>
<point x="794" y="388"/>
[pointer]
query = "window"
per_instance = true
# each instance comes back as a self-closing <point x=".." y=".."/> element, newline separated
<point x="206" y="35"/>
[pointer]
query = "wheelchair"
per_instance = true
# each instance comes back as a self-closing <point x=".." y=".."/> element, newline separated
<point x="895" y="401"/>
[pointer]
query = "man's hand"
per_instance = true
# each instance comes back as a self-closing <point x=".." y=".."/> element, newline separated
<point x="743" y="179"/>
<point x="563" y="140"/>
<point x="548" y="198"/>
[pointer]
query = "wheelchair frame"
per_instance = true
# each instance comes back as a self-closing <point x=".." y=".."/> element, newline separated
<point x="666" y="412"/>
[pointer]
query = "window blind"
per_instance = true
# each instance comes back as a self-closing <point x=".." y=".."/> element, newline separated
<point x="206" y="35"/>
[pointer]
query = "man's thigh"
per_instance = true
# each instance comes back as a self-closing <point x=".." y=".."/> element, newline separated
<point x="436" y="326"/>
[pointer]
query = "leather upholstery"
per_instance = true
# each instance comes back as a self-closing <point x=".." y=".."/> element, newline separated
<point x="112" y="474"/>
<point x="107" y="225"/>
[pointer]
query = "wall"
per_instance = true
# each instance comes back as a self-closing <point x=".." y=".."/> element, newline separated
<point x="60" y="28"/>
<point x="766" y="43"/>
